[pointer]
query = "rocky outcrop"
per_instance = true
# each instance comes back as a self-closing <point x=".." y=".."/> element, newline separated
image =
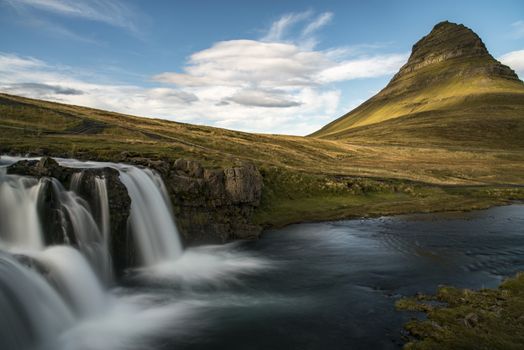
<point x="449" y="75"/>
<point x="210" y="205"/>
<point x="448" y="42"/>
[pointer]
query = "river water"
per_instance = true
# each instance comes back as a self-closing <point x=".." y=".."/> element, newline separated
<point x="328" y="285"/>
<point x="333" y="285"/>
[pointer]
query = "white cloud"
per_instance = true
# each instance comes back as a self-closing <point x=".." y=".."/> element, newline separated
<point x="29" y="77"/>
<point x="251" y="85"/>
<point x="10" y="61"/>
<point x="111" y="12"/>
<point x="514" y="59"/>
<point x="262" y="98"/>
<point x="262" y="74"/>
<point x="245" y="63"/>
<point x="368" y="67"/>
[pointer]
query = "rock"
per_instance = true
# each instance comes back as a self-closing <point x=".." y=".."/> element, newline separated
<point x="123" y="248"/>
<point x="448" y="41"/>
<point x="244" y="184"/>
<point x="213" y="205"/>
<point x="471" y="320"/>
<point x="189" y="168"/>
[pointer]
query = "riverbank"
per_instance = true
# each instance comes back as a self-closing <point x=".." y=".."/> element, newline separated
<point x="467" y="319"/>
<point x="291" y="198"/>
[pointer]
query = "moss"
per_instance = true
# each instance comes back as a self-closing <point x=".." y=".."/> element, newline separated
<point x="467" y="319"/>
<point x="291" y="197"/>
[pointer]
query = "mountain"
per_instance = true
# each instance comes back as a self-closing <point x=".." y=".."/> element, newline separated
<point x="447" y="133"/>
<point x="451" y="91"/>
<point x="455" y="117"/>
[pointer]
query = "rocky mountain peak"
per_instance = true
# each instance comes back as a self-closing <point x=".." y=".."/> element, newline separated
<point x="449" y="41"/>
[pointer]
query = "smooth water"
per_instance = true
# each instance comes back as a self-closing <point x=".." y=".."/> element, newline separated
<point x="311" y="286"/>
<point x="53" y="297"/>
<point x="333" y="285"/>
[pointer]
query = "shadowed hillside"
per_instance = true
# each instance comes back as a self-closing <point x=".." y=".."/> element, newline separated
<point x="450" y="92"/>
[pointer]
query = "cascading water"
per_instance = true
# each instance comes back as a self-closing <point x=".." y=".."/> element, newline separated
<point x="53" y="297"/>
<point x="74" y="279"/>
<point x="33" y="313"/>
<point x="78" y="219"/>
<point x="56" y="287"/>
<point x="19" y="223"/>
<point x="151" y="220"/>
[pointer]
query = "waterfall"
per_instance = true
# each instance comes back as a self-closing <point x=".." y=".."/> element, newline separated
<point x="151" y="220"/>
<point x="78" y="223"/>
<point x="33" y="313"/>
<point x="74" y="279"/>
<point x="44" y="291"/>
<point x="19" y="223"/>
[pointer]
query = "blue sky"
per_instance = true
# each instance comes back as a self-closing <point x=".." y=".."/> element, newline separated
<point x="263" y="66"/>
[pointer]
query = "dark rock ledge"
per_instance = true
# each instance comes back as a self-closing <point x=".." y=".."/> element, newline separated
<point x="210" y="205"/>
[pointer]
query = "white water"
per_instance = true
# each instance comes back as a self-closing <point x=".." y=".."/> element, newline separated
<point x="72" y="276"/>
<point x="19" y="223"/>
<point x="151" y="220"/>
<point x="77" y="219"/>
<point x="55" y="299"/>
<point x="33" y="313"/>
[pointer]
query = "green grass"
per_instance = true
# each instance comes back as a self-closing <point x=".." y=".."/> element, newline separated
<point x="465" y="319"/>
<point x="292" y="197"/>
<point x="306" y="179"/>
<point x="451" y="77"/>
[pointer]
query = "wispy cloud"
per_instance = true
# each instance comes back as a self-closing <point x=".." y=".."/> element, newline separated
<point x="281" y="27"/>
<point x="298" y="27"/>
<point x="275" y="84"/>
<point x="111" y="12"/>
<point x="514" y="59"/>
<point x="366" y="67"/>
<point x="322" y="20"/>
<point x="518" y="29"/>
<point x="263" y="74"/>
<point x="279" y="78"/>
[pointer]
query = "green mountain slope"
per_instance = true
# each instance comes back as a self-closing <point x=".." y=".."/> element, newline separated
<point x="451" y="91"/>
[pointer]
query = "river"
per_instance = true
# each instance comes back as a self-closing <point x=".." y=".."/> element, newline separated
<point x="328" y="285"/>
<point x="333" y="285"/>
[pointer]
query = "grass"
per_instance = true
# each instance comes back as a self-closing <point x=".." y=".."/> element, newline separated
<point x="292" y="197"/>
<point x="305" y="178"/>
<point x="461" y="89"/>
<point x="466" y="319"/>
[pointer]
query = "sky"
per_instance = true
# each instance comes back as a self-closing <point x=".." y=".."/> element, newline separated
<point x="271" y="66"/>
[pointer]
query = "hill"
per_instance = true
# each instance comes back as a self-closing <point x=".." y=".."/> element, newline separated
<point x="443" y="135"/>
<point x="450" y="92"/>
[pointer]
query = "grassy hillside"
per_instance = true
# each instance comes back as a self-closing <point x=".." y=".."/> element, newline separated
<point x="446" y="133"/>
<point x="450" y="92"/>
<point x="28" y="125"/>
<point x="305" y="178"/>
